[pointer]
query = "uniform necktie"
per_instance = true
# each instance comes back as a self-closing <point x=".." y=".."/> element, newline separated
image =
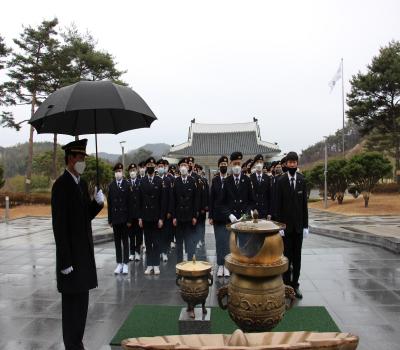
<point x="259" y="178"/>
<point x="292" y="184"/>
<point x="237" y="182"/>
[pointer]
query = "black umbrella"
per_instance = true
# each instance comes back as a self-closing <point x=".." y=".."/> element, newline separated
<point x="92" y="107"/>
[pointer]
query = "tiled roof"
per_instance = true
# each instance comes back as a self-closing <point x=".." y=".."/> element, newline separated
<point x="218" y="143"/>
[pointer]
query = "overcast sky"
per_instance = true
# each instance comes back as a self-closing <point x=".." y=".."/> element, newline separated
<point x="223" y="61"/>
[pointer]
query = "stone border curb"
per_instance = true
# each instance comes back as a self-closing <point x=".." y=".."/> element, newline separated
<point x="389" y="243"/>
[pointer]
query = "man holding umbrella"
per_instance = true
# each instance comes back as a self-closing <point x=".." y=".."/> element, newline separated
<point x="72" y="213"/>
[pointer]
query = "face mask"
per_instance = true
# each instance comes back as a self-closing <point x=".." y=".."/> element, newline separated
<point x="292" y="171"/>
<point x="80" y="167"/>
<point x="284" y="169"/>
<point x="118" y="175"/>
<point x="150" y="170"/>
<point x="142" y="171"/>
<point x="133" y="174"/>
<point x="278" y="171"/>
<point x="183" y="170"/>
<point x="236" y="169"/>
<point x="223" y="169"/>
<point x="259" y="166"/>
<point x="161" y="171"/>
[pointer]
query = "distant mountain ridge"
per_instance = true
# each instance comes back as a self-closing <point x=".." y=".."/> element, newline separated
<point x="157" y="149"/>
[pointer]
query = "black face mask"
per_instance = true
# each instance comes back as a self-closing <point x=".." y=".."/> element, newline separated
<point x="223" y="169"/>
<point x="292" y="171"/>
<point x="150" y="170"/>
<point x="284" y="169"/>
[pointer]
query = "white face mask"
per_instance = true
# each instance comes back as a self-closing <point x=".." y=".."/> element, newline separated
<point x="161" y="171"/>
<point x="236" y="169"/>
<point x="133" y="174"/>
<point x="183" y="170"/>
<point x="80" y="167"/>
<point x="259" y="166"/>
<point x="142" y="171"/>
<point x="118" y="175"/>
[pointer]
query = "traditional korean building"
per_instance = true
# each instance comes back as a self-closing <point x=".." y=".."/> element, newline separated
<point x="207" y="142"/>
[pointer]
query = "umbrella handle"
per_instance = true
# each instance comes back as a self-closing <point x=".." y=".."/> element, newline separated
<point x="97" y="158"/>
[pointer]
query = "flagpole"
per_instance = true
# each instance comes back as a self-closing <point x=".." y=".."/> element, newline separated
<point x="343" y="111"/>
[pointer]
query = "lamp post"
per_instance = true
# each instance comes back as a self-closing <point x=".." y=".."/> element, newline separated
<point x="123" y="153"/>
<point x="325" y="174"/>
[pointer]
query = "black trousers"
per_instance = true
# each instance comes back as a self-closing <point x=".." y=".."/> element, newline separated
<point x="121" y="236"/>
<point x="201" y="228"/>
<point x="152" y="238"/>
<point x="293" y="242"/>
<point x="185" y="232"/>
<point x="74" y="312"/>
<point x="135" y="234"/>
<point x="166" y="234"/>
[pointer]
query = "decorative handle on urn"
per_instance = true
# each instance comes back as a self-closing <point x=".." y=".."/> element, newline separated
<point x="291" y="295"/>
<point x="177" y="281"/>
<point x="222" y="293"/>
<point x="210" y="279"/>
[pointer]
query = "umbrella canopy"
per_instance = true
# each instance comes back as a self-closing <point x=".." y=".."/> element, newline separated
<point x="92" y="107"/>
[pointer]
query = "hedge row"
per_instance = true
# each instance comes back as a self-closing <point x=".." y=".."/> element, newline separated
<point x="20" y="198"/>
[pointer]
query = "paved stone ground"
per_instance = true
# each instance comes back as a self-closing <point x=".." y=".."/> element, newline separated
<point x="381" y="231"/>
<point x="357" y="283"/>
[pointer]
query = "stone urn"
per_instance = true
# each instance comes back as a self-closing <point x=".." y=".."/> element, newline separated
<point x="256" y="296"/>
<point x="194" y="279"/>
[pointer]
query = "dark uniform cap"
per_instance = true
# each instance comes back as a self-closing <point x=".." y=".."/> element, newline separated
<point x="236" y="156"/>
<point x="150" y="160"/>
<point x="172" y="167"/>
<point x="78" y="146"/>
<point x="258" y="157"/>
<point x="222" y="160"/>
<point x="190" y="159"/>
<point x="183" y="160"/>
<point x="131" y="166"/>
<point x="292" y="156"/>
<point x="118" y="166"/>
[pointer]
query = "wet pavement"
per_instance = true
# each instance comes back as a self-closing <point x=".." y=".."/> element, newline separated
<point x="357" y="283"/>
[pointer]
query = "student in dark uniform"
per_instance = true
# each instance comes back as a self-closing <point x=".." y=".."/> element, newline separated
<point x="261" y="188"/>
<point x="167" y="227"/>
<point x="142" y="169"/>
<point x="217" y="218"/>
<point x="277" y="173"/>
<point x="185" y="210"/>
<point x="292" y="210"/>
<point x="72" y="213"/>
<point x="237" y="194"/>
<point x="119" y="217"/>
<point x="152" y="213"/>
<point x="204" y="189"/>
<point x="135" y="233"/>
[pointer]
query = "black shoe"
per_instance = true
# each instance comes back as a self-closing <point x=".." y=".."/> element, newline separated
<point x="298" y="293"/>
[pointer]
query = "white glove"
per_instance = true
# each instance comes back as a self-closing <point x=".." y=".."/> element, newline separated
<point x="251" y="213"/>
<point x="305" y="232"/>
<point x="233" y="218"/>
<point x="282" y="233"/>
<point x="98" y="196"/>
<point x="67" y="271"/>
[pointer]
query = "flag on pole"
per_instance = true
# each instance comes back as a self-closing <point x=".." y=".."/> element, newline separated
<point x="336" y="77"/>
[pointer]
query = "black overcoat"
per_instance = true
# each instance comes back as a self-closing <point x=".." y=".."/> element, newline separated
<point x="262" y="194"/>
<point x="291" y="208"/>
<point x="72" y="213"/>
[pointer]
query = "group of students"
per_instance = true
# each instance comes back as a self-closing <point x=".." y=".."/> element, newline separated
<point x="157" y="204"/>
<point x="168" y="206"/>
